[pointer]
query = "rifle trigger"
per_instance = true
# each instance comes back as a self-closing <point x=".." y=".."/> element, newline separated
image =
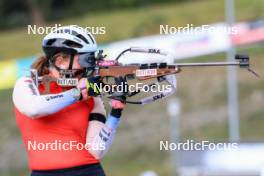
<point x="161" y="78"/>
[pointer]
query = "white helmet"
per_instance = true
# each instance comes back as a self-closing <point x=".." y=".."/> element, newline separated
<point x="70" y="39"/>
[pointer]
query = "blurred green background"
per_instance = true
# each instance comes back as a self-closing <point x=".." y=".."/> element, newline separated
<point x="202" y="95"/>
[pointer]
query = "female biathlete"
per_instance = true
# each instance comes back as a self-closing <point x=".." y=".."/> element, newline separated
<point x="66" y="131"/>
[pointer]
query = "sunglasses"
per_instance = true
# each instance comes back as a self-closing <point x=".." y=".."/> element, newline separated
<point x="86" y="60"/>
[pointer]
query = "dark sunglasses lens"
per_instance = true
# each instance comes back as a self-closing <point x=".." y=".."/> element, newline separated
<point x="86" y="60"/>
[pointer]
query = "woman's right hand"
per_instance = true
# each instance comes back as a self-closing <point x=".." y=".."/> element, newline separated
<point x="89" y="87"/>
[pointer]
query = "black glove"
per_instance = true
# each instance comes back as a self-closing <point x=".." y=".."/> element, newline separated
<point x="94" y="85"/>
<point x="119" y="96"/>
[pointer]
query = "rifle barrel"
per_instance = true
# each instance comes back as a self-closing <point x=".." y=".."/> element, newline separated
<point x="208" y="64"/>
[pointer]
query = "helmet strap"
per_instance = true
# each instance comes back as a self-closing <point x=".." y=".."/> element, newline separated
<point x="67" y="73"/>
<point x="70" y="67"/>
<point x="71" y="61"/>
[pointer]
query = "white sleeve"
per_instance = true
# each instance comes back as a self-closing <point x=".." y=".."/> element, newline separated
<point x="98" y="106"/>
<point x="100" y="136"/>
<point x="27" y="99"/>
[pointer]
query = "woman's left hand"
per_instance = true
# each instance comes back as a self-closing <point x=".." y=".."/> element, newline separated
<point x="83" y="88"/>
<point x="116" y="104"/>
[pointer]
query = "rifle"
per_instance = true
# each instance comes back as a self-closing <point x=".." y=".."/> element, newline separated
<point x="104" y="70"/>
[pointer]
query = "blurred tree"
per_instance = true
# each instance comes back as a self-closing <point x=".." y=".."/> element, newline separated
<point x="13" y="13"/>
<point x="23" y="12"/>
<point x="35" y="12"/>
